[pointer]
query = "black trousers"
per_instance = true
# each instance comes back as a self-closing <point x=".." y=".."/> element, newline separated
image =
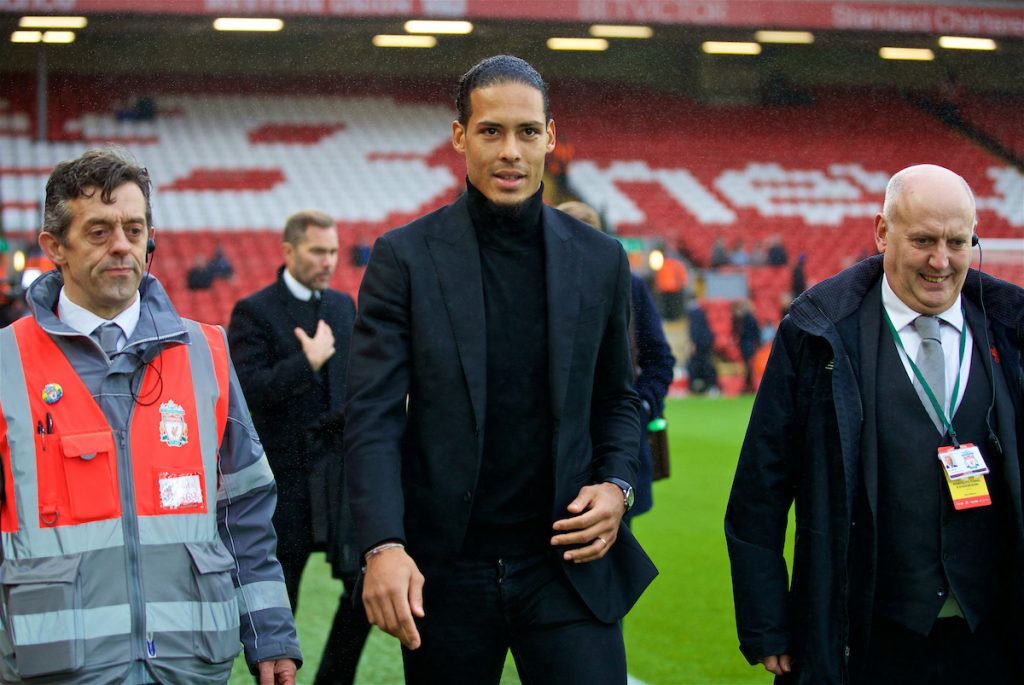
<point x="950" y="655"/>
<point x="348" y="630"/>
<point x="524" y="604"/>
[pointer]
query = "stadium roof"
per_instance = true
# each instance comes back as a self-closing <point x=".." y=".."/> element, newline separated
<point x="987" y="19"/>
<point x="335" y="38"/>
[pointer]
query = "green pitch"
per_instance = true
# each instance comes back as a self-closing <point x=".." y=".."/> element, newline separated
<point x="681" y="632"/>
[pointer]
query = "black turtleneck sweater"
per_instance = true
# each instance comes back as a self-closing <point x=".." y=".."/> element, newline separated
<point x="512" y="505"/>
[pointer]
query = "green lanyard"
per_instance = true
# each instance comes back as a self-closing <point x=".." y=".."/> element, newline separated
<point x="924" y="384"/>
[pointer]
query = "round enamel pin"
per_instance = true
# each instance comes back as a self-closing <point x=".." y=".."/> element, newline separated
<point x="52" y="392"/>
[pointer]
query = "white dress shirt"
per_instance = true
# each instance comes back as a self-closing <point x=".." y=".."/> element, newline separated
<point x="300" y="291"/>
<point x="85" y="322"/>
<point x="951" y="323"/>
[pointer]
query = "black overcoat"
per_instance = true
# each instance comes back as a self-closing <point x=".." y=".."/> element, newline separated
<point x="418" y="395"/>
<point x="301" y="433"/>
<point x="811" y="441"/>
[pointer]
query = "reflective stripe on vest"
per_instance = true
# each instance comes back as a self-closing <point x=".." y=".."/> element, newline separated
<point x="64" y="572"/>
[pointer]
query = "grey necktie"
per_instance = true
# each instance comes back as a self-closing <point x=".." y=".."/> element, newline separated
<point x="107" y="336"/>
<point x="932" y="363"/>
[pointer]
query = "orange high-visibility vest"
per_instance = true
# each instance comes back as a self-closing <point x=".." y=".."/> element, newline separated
<point x="671" y="277"/>
<point x="75" y="447"/>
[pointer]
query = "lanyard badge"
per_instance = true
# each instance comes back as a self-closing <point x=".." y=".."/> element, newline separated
<point x="965" y="471"/>
<point x="962" y="464"/>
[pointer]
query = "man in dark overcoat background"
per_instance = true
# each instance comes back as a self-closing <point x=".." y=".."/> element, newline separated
<point x="289" y="343"/>
<point x="652" y="360"/>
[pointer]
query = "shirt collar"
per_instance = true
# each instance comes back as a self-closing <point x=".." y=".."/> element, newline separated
<point x="85" y="322"/>
<point x="299" y="291"/>
<point x="902" y="315"/>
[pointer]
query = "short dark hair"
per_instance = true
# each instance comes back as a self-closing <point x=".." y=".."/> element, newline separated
<point x="296" y="225"/>
<point x="494" y="71"/>
<point x="104" y="168"/>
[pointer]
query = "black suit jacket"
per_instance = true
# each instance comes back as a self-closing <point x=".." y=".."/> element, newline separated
<point x="418" y="394"/>
<point x="300" y="433"/>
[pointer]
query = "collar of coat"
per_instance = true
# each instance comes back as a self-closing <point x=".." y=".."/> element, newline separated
<point x="837" y="297"/>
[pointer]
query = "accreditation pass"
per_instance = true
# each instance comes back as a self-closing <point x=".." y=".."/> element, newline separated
<point x="965" y="471"/>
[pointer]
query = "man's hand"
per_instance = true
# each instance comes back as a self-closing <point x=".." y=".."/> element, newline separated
<point x="597" y="512"/>
<point x="780" y="664"/>
<point x="277" y="672"/>
<point x="320" y="347"/>
<point x="393" y="594"/>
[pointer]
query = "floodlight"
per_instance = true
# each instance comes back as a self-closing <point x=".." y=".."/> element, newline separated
<point x="797" y="37"/>
<point x="384" y="40"/>
<point x="966" y="43"/>
<point x="247" y="24"/>
<point x="585" y="44"/>
<point x="620" y="31"/>
<point x="438" y="27"/>
<point x="721" y="47"/>
<point x="912" y="54"/>
<point x="53" y="22"/>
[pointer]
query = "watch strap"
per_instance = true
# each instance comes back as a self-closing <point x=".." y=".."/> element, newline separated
<point x="627" y="491"/>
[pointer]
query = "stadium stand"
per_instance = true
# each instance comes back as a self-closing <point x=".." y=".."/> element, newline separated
<point x="228" y="166"/>
<point x="813" y="174"/>
<point x="999" y="115"/>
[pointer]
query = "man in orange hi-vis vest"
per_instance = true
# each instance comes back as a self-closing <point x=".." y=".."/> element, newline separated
<point x="670" y="281"/>
<point x="136" y="501"/>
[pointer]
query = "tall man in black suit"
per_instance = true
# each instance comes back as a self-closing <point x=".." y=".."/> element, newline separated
<point x="885" y="383"/>
<point x="289" y="343"/>
<point x="493" y="431"/>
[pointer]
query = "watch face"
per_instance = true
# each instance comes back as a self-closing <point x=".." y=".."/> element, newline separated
<point x="629" y="498"/>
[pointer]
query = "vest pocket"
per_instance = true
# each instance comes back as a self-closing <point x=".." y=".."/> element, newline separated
<point x="215" y="612"/>
<point x="43" y="614"/>
<point x="90" y="475"/>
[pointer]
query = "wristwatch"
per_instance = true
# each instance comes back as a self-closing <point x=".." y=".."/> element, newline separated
<point x="627" y="491"/>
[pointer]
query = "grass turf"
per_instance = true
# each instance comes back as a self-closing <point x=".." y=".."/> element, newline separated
<point x="681" y="632"/>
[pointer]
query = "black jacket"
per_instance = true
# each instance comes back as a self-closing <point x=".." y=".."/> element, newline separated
<point x="301" y="433"/>
<point x="655" y="367"/>
<point x="811" y="440"/>
<point x="417" y="392"/>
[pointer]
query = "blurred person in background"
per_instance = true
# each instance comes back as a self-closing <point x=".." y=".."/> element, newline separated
<point x="902" y="573"/>
<point x="798" y="279"/>
<point x="719" y="254"/>
<point x="738" y="256"/>
<point x="670" y="281"/>
<point x="777" y="254"/>
<point x="290" y="343"/>
<point x="12" y="305"/>
<point x="136" y="511"/>
<point x="758" y="255"/>
<point x="493" y="432"/>
<point x="747" y="335"/>
<point x="701" y="364"/>
<point x="652" y="360"/>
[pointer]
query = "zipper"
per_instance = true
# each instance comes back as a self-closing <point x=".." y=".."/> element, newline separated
<point x="130" y="528"/>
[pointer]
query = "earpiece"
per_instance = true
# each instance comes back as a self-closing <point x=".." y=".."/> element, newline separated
<point x="993" y="439"/>
<point x="151" y="245"/>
